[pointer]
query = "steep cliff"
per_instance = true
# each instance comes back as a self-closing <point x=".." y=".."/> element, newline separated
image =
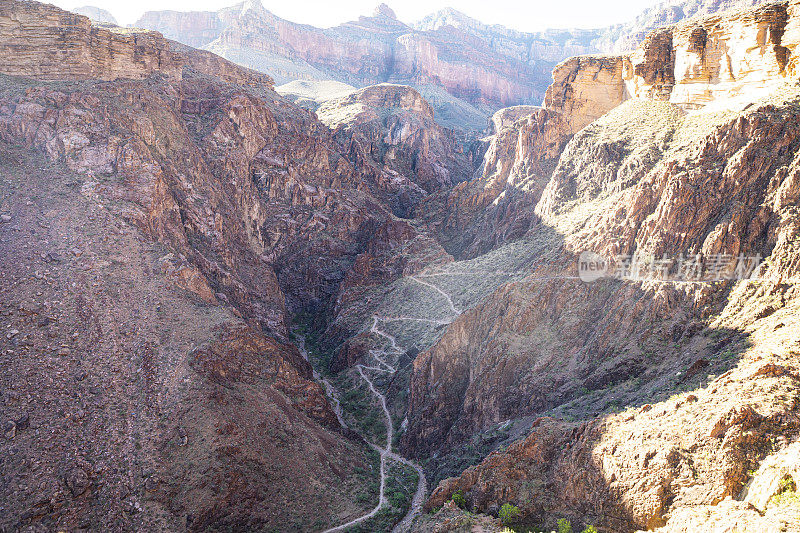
<point x="725" y="61"/>
<point x="474" y="68"/>
<point x="479" y="65"/>
<point x="736" y="54"/>
<point x="391" y="129"/>
<point x="42" y="41"/>
<point x="627" y="36"/>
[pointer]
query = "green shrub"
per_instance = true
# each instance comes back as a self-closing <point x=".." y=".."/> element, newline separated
<point x="787" y="494"/>
<point x="590" y="529"/>
<point x="459" y="499"/>
<point x="564" y="526"/>
<point x="508" y="513"/>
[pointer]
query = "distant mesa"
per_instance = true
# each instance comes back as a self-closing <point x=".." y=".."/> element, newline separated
<point x="385" y="11"/>
<point x="252" y="5"/>
<point x="97" y="14"/>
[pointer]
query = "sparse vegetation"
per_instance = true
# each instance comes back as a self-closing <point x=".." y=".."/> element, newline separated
<point x="508" y="513"/>
<point x="787" y="494"/>
<point x="459" y="500"/>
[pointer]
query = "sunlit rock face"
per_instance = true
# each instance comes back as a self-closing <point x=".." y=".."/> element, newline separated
<point x="42" y="41"/>
<point x="686" y="145"/>
<point x="587" y="87"/>
<point x="737" y="54"/>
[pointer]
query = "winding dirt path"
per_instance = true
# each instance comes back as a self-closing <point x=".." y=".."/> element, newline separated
<point x="440" y="291"/>
<point x="382" y="365"/>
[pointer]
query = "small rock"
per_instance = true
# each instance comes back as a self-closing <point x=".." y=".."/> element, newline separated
<point x="64" y="351"/>
<point x="9" y="429"/>
<point x="11" y="334"/>
<point x="5" y="218"/>
<point x="23" y="421"/>
<point x="77" y="481"/>
<point x="221" y="297"/>
<point x="151" y="484"/>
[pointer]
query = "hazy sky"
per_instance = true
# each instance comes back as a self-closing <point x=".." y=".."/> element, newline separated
<point x="523" y="15"/>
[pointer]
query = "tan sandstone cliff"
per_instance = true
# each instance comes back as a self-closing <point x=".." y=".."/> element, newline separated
<point x="42" y="41"/>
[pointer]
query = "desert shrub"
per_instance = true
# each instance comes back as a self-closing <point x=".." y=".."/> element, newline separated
<point x="459" y="499"/>
<point x="564" y="526"/>
<point x="590" y="529"/>
<point x="508" y="513"/>
<point x="787" y="494"/>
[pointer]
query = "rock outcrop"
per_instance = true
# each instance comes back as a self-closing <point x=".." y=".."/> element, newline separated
<point x="722" y="61"/>
<point x="625" y="37"/>
<point x="736" y="54"/>
<point x="492" y="208"/>
<point x="44" y="42"/>
<point x="390" y="130"/>
<point x="586" y="88"/>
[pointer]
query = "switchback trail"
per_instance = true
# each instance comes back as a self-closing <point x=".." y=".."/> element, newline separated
<point x="386" y="360"/>
<point x="383" y="364"/>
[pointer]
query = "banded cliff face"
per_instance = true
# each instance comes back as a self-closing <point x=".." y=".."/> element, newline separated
<point x="692" y="64"/>
<point x="370" y="50"/>
<point x="42" y="41"/>
<point x="722" y="61"/>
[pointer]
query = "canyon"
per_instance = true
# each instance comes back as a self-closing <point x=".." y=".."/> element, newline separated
<point x="467" y="70"/>
<point x="296" y="297"/>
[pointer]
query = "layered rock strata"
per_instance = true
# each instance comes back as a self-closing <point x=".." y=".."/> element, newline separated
<point x="44" y="42"/>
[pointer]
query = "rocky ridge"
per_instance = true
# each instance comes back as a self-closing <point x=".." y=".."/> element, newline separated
<point x="482" y="67"/>
<point x="45" y="42"/>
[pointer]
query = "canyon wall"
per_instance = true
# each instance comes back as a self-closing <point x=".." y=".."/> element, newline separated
<point x="176" y="215"/>
<point x="622" y="389"/>
<point x="736" y="54"/>
<point x="367" y="51"/>
<point x="44" y="42"/>
<point x="488" y="66"/>
<point x="722" y="61"/>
